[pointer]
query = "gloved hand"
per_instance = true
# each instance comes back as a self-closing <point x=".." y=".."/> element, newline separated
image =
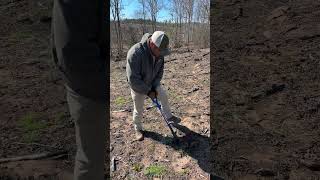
<point x="153" y="94"/>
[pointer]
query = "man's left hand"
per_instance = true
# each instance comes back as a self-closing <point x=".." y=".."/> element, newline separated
<point x="153" y="94"/>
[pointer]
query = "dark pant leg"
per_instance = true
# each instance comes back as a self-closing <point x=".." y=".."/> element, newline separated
<point x="90" y="118"/>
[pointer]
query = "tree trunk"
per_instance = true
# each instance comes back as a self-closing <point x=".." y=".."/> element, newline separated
<point x="119" y="36"/>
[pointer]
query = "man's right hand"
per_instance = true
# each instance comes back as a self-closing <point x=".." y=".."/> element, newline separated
<point x="153" y="94"/>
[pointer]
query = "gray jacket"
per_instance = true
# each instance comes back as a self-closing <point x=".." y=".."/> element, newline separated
<point x="143" y="73"/>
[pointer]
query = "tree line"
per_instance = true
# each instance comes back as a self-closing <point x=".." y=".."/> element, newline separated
<point x="187" y="22"/>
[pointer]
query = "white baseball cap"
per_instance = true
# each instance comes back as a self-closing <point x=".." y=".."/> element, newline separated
<point x="161" y="40"/>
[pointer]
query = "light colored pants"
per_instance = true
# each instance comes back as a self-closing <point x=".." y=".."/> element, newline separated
<point x="90" y="119"/>
<point x="138" y="105"/>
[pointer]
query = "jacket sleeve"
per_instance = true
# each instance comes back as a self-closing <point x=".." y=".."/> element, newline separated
<point x="133" y="69"/>
<point x="157" y="79"/>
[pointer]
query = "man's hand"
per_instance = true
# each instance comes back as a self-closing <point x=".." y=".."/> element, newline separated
<point x="153" y="94"/>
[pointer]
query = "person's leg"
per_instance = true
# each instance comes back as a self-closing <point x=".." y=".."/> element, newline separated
<point x="138" y="101"/>
<point x="90" y="118"/>
<point x="163" y="98"/>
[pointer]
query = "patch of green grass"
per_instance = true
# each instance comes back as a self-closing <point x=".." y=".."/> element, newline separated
<point x="184" y="172"/>
<point x="155" y="170"/>
<point x="175" y="96"/>
<point x="31" y="136"/>
<point x="21" y="35"/>
<point x="61" y="116"/>
<point x="152" y="147"/>
<point x="31" y="124"/>
<point x="120" y="101"/>
<point x="137" y="167"/>
<point x="206" y="82"/>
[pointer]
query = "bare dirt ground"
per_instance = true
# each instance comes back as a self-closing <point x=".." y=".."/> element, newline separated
<point x="186" y="80"/>
<point x="265" y="106"/>
<point x="33" y="110"/>
<point x="34" y="115"/>
<point x="265" y="65"/>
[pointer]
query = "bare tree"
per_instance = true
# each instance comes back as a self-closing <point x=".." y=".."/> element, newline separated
<point x="202" y="29"/>
<point x="177" y="15"/>
<point x="116" y="12"/>
<point x="154" y="6"/>
<point x="191" y="20"/>
<point x="203" y="11"/>
<point x="188" y="7"/>
<point x="178" y="9"/>
<point x="143" y="13"/>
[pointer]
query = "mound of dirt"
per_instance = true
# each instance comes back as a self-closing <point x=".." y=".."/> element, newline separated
<point x="265" y="74"/>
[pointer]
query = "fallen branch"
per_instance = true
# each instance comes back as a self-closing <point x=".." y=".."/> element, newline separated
<point x="205" y="54"/>
<point x="171" y="60"/>
<point x="312" y="165"/>
<point x="36" y="144"/>
<point x="29" y="63"/>
<point x="315" y="96"/>
<point x="187" y="75"/>
<point x="194" y="89"/>
<point x="57" y="157"/>
<point x="122" y="110"/>
<point x="233" y="3"/>
<point x="34" y="156"/>
<point x="265" y="172"/>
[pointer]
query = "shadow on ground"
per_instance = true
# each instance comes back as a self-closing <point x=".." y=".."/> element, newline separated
<point x="193" y="144"/>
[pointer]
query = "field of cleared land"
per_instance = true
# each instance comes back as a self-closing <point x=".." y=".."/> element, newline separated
<point x="186" y="79"/>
